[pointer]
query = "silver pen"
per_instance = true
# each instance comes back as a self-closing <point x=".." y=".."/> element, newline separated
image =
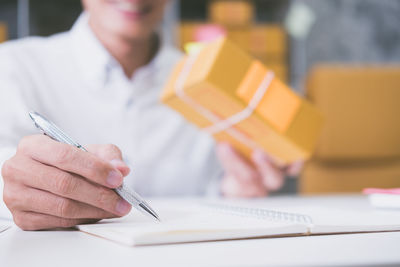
<point x="51" y="130"/>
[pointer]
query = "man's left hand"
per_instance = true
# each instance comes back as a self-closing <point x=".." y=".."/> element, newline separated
<point x="252" y="179"/>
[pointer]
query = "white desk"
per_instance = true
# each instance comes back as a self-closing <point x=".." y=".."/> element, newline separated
<point x="73" y="248"/>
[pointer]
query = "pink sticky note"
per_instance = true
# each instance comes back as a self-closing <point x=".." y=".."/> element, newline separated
<point x="208" y="32"/>
<point x="368" y="191"/>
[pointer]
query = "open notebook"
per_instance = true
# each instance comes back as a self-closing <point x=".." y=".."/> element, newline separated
<point x="215" y="221"/>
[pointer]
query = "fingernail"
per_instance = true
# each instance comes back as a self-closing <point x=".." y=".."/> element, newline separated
<point x="123" y="207"/>
<point x="114" y="178"/>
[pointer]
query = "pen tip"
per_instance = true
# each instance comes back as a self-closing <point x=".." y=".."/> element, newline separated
<point x="34" y="115"/>
<point x="150" y="211"/>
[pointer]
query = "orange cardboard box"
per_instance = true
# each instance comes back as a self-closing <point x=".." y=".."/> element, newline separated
<point x="278" y="66"/>
<point x="268" y="40"/>
<point x="227" y="93"/>
<point x="324" y="177"/>
<point x="186" y="32"/>
<point x="240" y="36"/>
<point x="3" y="32"/>
<point x="231" y="13"/>
<point x="361" y="108"/>
<point x="280" y="70"/>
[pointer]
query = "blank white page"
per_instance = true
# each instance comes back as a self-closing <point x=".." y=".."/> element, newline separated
<point x="188" y="223"/>
<point x="335" y="220"/>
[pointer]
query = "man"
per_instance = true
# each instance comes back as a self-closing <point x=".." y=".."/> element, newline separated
<point x="100" y="82"/>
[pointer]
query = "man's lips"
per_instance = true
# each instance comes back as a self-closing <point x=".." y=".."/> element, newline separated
<point x="132" y="8"/>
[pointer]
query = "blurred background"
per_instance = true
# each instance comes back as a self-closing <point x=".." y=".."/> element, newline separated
<point x="299" y="33"/>
<point x="342" y="54"/>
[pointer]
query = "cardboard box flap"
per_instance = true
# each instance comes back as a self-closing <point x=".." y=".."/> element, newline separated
<point x="229" y="65"/>
<point x="279" y="104"/>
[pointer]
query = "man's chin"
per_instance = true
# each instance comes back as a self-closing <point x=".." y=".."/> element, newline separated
<point x="135" y="37"/>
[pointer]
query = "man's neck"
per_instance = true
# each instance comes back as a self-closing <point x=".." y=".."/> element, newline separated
<point x="131" y="54"/>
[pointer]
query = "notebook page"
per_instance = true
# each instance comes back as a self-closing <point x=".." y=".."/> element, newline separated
<point x="188" y="223"/>
<point x="346" y="220"/>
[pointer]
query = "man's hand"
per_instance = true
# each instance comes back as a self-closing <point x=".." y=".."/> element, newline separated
<point x="252" y="179"/>
<point x="48" y="184"/>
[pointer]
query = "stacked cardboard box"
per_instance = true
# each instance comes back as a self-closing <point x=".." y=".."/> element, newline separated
<point x="187" y="32"/>
<point x="334" y="177"/>
<point x="3" y="32"/>
<point x="221" y="81"/>
<point x="359" y="144"/>
<point x="362" y="105"/>
<point x="266" y="42"/>
<point x="238" y="13"/>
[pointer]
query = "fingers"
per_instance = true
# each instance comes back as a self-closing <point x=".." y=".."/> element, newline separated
<point x="231" y="187"/>
<point x="112" y="154"/>
<point x="29" y="221"/>
<point x="295" y="168"/>
<point x="121" y="166"/>
<point x="235" y="165"/>
<point x="272" y="176"/>
<point x="49" y="184"/>
<point x="106" y="152"/>
<point x="36" y="175"/>
<point x="71" y="159"/>
<point x="43" y="202"/>
<point x="241" y="178"/>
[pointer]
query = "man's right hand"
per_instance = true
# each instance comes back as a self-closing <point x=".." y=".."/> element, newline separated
<point x="48" y="184"/>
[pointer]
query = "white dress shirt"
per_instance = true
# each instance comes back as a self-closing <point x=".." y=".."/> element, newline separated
<point x="71" y="79"/>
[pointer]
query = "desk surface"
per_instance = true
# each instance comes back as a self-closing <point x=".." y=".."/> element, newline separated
<point x="73" y="248"/>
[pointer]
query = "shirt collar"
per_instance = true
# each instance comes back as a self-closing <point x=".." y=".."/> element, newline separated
<point x="93" y="59"/>
<point x="96" y="63"/>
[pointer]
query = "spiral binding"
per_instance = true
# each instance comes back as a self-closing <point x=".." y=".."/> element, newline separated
<point x="263" y="214"/>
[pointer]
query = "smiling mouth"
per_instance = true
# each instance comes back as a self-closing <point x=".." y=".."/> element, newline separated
<point x="132" y="8"/>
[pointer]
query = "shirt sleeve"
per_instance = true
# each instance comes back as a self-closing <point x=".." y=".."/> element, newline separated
<point x="13" y="110"/>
